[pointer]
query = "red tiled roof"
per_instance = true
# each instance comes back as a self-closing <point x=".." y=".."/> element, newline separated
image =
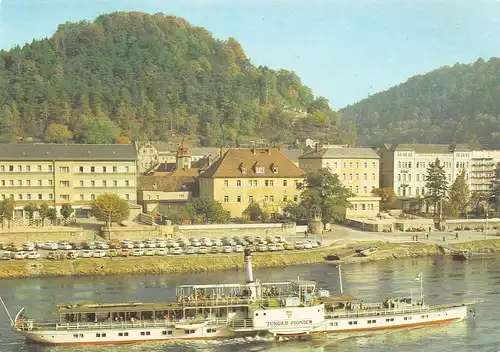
<point x="230" y="164"/>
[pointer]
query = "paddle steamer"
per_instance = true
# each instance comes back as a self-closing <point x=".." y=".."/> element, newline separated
<point x="290" y="308"/>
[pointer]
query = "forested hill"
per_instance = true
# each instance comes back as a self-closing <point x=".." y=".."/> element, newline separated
<point x="451" y="104"/>
<point x="149" y="76"/>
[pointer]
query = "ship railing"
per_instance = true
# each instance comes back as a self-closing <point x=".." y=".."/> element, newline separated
<point x="241" y="323"/>
<point x="229" y="301"/>
<point x="377" y="310"/>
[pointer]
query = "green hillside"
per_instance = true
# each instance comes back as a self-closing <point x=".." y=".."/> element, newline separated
<point x="451" y="104"/>
<point x="134" y="75"/>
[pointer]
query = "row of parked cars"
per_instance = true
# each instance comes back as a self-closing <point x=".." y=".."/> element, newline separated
<point x="158" y="247"/>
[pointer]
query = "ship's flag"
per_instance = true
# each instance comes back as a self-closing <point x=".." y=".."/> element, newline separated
<point x="418" y="277"/>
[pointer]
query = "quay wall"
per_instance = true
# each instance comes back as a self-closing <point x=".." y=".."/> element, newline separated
<point x="189" y="264"/>
<point x="46" y="234"/>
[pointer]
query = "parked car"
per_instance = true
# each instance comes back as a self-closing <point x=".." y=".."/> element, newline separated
<point x="176" y="250"/>
<point x="51" y="246"/>
<point x="299" y="245"/>
<point x="202" y="250"/>
<point x="238" y="249"/>
<point x="113" y="252"/>
<point x="125" y="252"/>
<point x="6" y="255"/>
<point x="195" y="243"/>
<point x="289" y="246"/>
<point x="161" y="243"/>
<point x="29" y="246"/>
<point x="138" y="244"/>
<point x="137" y="252"/>
<point x="33" y="255"/>
<point x="72" y="254"/>
<point x="207" y="242"/>
<point x="217" y="243"/>
<point x="150" y="244"/>
<point x="149" y="251"/>
<point x="214" y="250"/>
<point x="313" y="244"/>
<point x="280" y="239"/>
<point x="272" y="247"/>
<point x="227" y="249"/>
<point x="99" y="253"/>
<point x="89" y="245"/>
<point x="64" y="245"/>
<point x="127" y="244"/>
<point x="53" y="255"/>
<point x="115" y="244"/>
<point x="307" y="245"/>
<point x="101" y="245"/>
<point x="87" y="253"/>
<point x="76" y="245"/>
<point x="280" y="246"/>
<point x="161" y="251"/>
<point x="270" y="239"/>
<point x="20" y="255"/>
<point x="251" y="247"/>
<point x="172" y="243"/>
<point x="190" y="250"/>
<point x="263" y="248"/>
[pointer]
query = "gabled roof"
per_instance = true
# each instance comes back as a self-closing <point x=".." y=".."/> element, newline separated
<point x="41" y="151"/>
<point x="229" y="164"/>
<point x="179" y="180"/>
<point x="341" y="153"/>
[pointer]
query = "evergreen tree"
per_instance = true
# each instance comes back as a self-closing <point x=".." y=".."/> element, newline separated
<point x="436" y="184"/>
<point x="459" y="195"/>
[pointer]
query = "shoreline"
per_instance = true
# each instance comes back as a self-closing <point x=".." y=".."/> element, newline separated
<point x="193" y="264"/>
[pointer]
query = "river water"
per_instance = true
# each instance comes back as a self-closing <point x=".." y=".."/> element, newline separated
<point x="444" y="281"/>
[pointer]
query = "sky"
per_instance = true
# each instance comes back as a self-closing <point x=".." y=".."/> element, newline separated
<point x="344" y="50"/>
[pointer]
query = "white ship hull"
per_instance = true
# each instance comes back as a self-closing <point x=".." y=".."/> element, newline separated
<point x="354" y="323"/>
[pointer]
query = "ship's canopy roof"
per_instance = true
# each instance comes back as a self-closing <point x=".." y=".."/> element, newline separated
<point x="340" y="298"/>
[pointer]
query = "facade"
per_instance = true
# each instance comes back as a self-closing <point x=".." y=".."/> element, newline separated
<point x="482" y="173"/>
<point x="357" y="169"/>
<point x="152" y="154"/>
<point x="404" y="166"/>
<point x="73" y="173"/>
<point x="242" y="176"/>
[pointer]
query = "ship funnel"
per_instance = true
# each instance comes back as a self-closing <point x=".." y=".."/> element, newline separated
<point x="248" y="265"/>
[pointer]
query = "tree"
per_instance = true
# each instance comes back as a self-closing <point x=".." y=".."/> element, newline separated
<point x="57" y="133"/>
<point x="210" y="210"/>
<point x="436" y="184"/>
<point x="52" y="215"/>
<point x="43" y="211"/>
<point x="324" y="194"/>
<point x="66" y="211"/>
<point x="8" y="210"/>
<point x="254" y="212"/>
<point x="295" y="212"/>
<point x="387" y="195"/>
<point x="109" y="207"/>
<point x="459" y="195"/>
<point x="122" y="139"/>
<point x="30" y="208"/>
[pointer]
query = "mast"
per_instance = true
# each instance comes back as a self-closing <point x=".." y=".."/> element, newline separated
<point x="340" y="279"/>
<point x="421" y="288"/>
<point x="7" y="311"/>
<point x="249" y="274"/>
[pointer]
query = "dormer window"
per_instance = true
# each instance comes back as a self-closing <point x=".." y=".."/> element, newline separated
<point x="274" y="169"/>
<point x="243" y="168"/>
<point x="259" y="169"/>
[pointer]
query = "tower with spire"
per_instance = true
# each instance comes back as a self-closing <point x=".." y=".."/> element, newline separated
<point x="183" y="158"/>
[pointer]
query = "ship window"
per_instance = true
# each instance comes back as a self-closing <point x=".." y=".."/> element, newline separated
<point x="234" y="310"/>
<point x="353" y="322"/>
<point x="211" y="331"/>
<point x="81" y="335"/>
<point x="103" y="335"/>
<point x="97" y="335"/>
<point x="334" y="324"/>
<point x="143" y="333"/>
<point x="389" y="319"/>
<point x="256" y="314"/>
<point x="75" y="335"/>
<point x="120" y="334"/>
<point x="188" y="332"/>
<point x="166" y="332"/>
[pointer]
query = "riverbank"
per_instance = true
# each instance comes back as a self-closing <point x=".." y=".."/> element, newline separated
<point x="190" y="264"/>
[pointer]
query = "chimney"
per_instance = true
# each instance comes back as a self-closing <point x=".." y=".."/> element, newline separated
<point x="318" y="147"/>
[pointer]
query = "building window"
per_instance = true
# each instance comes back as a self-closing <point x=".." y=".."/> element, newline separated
<point x="417" y="191"/>
<point x="266" y="199"/>
<point x="365" y="189"/>
<point x="127" y="168"/>
<point x="39" y="196"/>
<point x="127" y="196"/>
<point x="11" y="167"/>
<point x="250" y="199"/>
<point x="19" y="182"/>
<point x="344" y="176"/>
<point x="350" y="177"/>
<point x="363" y="206"/>
<point x="271" y="199"/>
<point x="115" y="183"/>
<point x="373" y="176"/>
<point x="92" y="169"/>
<point x="19" y="168"/>
<point x="104" y="169"/>
<point x="92" y="183"/>
<point x="238" y="199"/>
<point x="357" y="165"/>
<point x="357" y="189"/>
<point x="285" y="198"/>
<point x="115" y="169"/>
<point x="357" y="177"/>
<point x="11" y="182"/>
<point x="104" y="183"/>
<point x="64" y="183"/>
<point x="409" y="177"/>
<point x="2" y="168"/>
<point x="350" y="165"/>
<point x="81" y="183"/>
<point x="82" y="197"/>
<point x="226" y="199"/>
<point x="127" y="183"/>
<point x="295" y="198"/>
<point x="366" y="177"/>
<point x="80" y="169"/>
<point x="20" y="196"/>
<point x="92" y="197"/>
<point x="28" y="182"/>
<point x="2" y="182"/>
<point x="64" y="169"/>
<point x="51" y="196"/>
<point x="39" y="182"/>
<point x="28" y="168"/>
<point x="259" y="169"/>
<point x="64" y="197"/>
<point x="374" y="165"/>
<point x="51" y="182"/>
<point x="226" y="183"/>
<point x="238" y="183"/>
<point x="418" y="178"/>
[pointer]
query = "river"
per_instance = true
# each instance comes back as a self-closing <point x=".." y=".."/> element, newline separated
<point x="444" y="281"/>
